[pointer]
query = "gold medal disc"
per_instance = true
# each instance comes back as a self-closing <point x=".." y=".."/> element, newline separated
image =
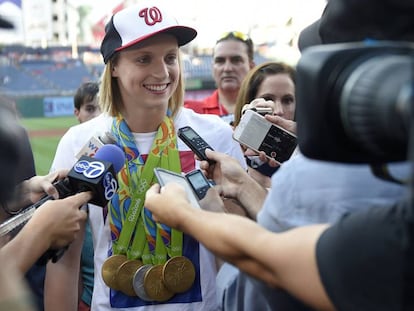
<point x="154" y="285"/>
<point x="178" y="274"/>
<point x="110" y="268"/>
<point x="125" y="276"/>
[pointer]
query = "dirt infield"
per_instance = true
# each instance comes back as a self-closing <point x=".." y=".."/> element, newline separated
<point x="47" y="133"/>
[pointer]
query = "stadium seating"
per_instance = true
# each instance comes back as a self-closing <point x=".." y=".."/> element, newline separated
<point x="44" y="76"/>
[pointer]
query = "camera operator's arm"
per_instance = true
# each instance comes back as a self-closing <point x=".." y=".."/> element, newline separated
<point x="285" y="260"/>
<point x="234" y="182"/>
<point x="54" y="225"/>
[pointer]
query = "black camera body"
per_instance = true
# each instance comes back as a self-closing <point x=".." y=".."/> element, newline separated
<point x="354" y="101"/>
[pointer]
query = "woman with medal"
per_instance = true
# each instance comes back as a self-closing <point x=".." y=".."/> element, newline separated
<point x="141" y="264"/>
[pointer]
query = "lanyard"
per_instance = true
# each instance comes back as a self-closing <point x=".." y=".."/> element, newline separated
<point x="126" y="208"/>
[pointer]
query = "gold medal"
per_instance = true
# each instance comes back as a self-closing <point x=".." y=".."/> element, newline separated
<point x="110" y="268"/>
<point x="154" y="285"/>
<point x="138" y="282"/>
<point x="178" y="274"/>
<point x="125" y="276"/>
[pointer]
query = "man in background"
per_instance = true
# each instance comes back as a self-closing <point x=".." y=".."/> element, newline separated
<point x="232" y="60"/>
<point x="86" y="101"/>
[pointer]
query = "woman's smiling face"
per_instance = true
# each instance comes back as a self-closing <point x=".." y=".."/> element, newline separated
<point x="148" y="72"/>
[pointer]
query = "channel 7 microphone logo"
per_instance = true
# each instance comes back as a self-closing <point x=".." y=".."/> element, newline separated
<point x="89" y="169"/>
<point x="88" y="174"/>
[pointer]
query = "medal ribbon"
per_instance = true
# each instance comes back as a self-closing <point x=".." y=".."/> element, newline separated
<point x="134" y="180"/>
<point x="162" y="239"/>
<point x="176" y="247"/>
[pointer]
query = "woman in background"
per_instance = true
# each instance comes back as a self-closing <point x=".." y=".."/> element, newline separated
<point x="268" y="85"/>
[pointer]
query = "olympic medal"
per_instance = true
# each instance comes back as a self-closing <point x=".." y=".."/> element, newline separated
<point x="178" y="274"/>
<point x="138" y="282"/>
<point x="125" y="276"/>
<point x="110" y="268"/>
<point x="154" y="285"/>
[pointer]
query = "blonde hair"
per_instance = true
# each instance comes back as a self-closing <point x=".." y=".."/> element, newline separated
<point x="110" y="99"/>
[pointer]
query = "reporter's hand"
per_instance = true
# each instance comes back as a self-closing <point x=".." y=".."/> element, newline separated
<point x="39" y="185"/>
<point x="169" y="205"/>
<point x="258" y="103"/>
<point x="288" y="125"/>
<point x="212" y="201"/>
<point x="61" y="219"/>
<point x="262" y="157"/>
<point x="226" y="172"/>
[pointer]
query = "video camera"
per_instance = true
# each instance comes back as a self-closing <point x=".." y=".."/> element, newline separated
<point x="354" y="101"/>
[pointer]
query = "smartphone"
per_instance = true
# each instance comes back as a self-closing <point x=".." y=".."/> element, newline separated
<point x="259" y="134"/>
<point x="195" y="186"/>
<point x="195" y="142"/>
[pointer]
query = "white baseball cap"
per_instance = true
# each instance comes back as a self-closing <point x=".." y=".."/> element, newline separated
<point x="139" y="22"/>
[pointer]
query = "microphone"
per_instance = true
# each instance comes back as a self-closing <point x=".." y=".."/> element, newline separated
<point x="18" y="203"/>
<point x="97" y="175"/>
<point x="94" y="143"/>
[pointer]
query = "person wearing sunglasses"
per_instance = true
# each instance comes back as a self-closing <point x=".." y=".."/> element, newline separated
<point x="232" y="60"/>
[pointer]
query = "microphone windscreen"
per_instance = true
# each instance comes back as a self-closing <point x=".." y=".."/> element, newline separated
<point x="113" y="154"/>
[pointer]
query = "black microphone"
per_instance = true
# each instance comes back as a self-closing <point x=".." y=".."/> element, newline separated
<point x="97" y="175"/>
<point x="18" y="202"/>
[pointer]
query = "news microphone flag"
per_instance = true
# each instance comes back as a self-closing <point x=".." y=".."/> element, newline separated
<point x="94" y="143"/>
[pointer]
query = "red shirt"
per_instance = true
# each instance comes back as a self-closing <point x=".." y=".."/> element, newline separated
<point x="209" y="105"/>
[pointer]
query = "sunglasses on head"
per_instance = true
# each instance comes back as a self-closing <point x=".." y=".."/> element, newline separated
<point x="234" y="34"/>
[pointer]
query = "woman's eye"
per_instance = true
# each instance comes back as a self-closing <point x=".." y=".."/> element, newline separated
<point x="171" y="59"/>
<point x="143" y="59"/>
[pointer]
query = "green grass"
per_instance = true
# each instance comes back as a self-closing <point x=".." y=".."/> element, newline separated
<point x="44" y="147"/>
<point x="48" y="123"/>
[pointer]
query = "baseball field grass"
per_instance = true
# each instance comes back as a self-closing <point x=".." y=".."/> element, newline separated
<point x="44" y="134"/>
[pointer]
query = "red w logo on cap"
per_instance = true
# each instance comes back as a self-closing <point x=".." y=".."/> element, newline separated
<point x="151" y="15"/>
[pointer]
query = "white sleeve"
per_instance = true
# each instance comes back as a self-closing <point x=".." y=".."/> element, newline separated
<point x="65" y="152"/>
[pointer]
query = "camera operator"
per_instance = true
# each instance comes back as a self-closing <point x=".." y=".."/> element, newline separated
<point x="361" y="262"/>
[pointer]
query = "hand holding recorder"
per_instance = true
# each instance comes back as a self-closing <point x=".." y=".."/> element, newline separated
<point x="195" y="142"/>
<point x="259" y="134"/>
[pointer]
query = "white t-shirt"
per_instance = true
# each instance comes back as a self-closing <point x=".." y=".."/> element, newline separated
<point x="202" y="296"/>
